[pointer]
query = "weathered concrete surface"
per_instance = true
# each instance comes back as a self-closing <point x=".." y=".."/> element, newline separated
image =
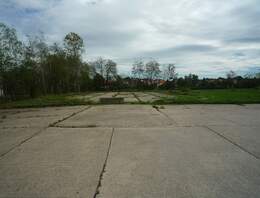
<point x="35" y="117"/>
<point x="145" y="97"/>
<point x="105" y="95"/>
<point x="178" y="162"/>
<point x="247" y="137"/>
<point x="203" y="115"/>
<point x="128" y="97"/>
<point x="118" y="116"/>
<point x="89" y="96"/>
<point x="39" y="112"/>
<point x="56" y="163"/>
<point x="246" y="115"/>
<point x="175" y="151"/>
<point x="29" y="122"/>
<point x="18" y="125"/>
<point x="11" y="137"/>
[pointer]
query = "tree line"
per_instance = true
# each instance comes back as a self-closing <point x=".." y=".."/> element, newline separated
<point x="146" y="75"/>
<point x="34" y="67"/>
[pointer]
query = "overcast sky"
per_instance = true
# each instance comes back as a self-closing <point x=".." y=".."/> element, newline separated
<point x="207" y="37"/>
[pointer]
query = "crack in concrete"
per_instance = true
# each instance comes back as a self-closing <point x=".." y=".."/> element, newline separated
<point x="77" y="127"/>
<point x="23" y="141"/>
<point x="40" y="131"/>
<point x="17" y="127"/>
<point x="137" y="98"/>
<point x="97" y="192"/>
<point x="164" y="114"/>
<point x="154" y="95"/>
<point x="73" y="114"/>
<point x="232" y="142"/>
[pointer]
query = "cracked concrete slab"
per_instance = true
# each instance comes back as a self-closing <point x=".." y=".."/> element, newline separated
<point x="241" y="115"/>
<point x="128" y="97"/>
<point x="38" y="112"/>
<point x="149" y="156"/>
<point x="40" y="117"/>
<point x="118" y="116"/>
<point x="47" y="111"/>
<point x="247" y="137"/>
<point x="11" y="137"/>
<point x="56" y="163"/>
<point x="88" y="96"/>
<point x="199" y="115"/>
<point x="29" y="122"/>
<point x="105" y="95"/>
<point x="145" y="97"/>
<point x="178" y="162"/>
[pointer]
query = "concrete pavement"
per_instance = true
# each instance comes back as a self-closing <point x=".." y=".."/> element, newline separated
<point x="178" y="162"/>
<point x="131" y="151"/>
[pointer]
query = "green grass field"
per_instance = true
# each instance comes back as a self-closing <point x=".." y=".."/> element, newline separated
<point x="43" y="101"/>
<point x="216" y="96"/>
<point x="222" y="96"/>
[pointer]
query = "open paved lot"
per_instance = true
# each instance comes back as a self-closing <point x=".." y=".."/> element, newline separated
<point x="114" y="151"/>
<point x="129" y="97"/>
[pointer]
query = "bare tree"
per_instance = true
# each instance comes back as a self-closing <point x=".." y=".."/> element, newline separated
<point x="231" y="74"/>
<point x="170" y="72"/>
<point x="152" y="70"/>
<point x="99" y="65"/>
<point x="138" y="69"/>
<point x="110" y="69"/>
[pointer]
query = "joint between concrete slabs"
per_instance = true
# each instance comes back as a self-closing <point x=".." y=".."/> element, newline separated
<point x="104" y="166"/>
<point x="70" y="116"/>
<point x="22" y="142"/>
<point x="232" y="142"/>
<point x="164" y="114"/>
<point x="137" y="98"/>
<point x="40" y="131"/>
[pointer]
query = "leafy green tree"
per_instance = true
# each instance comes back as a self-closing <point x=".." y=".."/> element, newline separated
<point x="85" y="81"/>
<point x="56" y="70"/>
<point x="74" y="44"/>
<point x="32" y="69"/>
<point x="11" y="55"/>
<point x="191" y="80"/>
<point x="74" y="47"/>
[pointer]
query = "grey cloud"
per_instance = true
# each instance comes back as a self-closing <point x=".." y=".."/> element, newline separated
<point x="183" y="49"/>
<point x="245" y="40"/>
<point x="199" y="35"/>
<point x="239" y="54"/>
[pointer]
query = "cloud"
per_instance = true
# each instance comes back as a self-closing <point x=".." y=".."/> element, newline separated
<point x="182" y="50"/>
<point x="244" y="40"/>
<point x="204" y="36"/>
